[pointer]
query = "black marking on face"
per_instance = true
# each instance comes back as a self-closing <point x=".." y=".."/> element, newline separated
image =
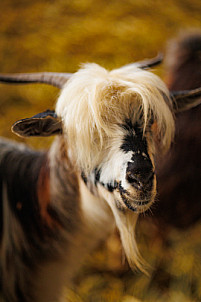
<point x="140" y="171"/>
<point x="134" y="139"/>
<point x="111" y="187"/>
<point x="122" y="192"/>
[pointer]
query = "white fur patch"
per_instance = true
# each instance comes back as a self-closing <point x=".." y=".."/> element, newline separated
<point x="94" y="101"/>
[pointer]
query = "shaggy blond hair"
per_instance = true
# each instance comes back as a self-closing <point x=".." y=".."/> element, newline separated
<point x="94" y="101"/>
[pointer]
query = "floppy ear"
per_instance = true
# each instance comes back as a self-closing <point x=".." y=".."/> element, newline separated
<point x="185" y="100"/>
<point x="42" y="124"/>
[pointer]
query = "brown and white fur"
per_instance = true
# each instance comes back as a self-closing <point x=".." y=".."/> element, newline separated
<point x="57" y="206"/>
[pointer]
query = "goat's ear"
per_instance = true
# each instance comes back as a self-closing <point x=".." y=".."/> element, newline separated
<point x="42" y="124"/>
<point x="185" y="100"/>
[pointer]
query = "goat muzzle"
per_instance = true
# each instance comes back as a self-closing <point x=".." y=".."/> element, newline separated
<point x="140" y="174"/>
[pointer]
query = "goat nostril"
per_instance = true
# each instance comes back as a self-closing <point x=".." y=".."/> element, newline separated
<point x="134" y="179"/>
<point x="139" y="180"/>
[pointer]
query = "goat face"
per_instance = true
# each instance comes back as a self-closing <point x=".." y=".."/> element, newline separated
<point x="108" y="123"/>
<point x="127" y="170"/>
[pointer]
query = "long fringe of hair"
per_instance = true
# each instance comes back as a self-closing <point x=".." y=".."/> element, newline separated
<point x="94" y="100"/>
<point x="126" y="223"/>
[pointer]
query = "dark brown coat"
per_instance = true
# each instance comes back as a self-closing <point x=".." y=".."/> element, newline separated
<point x="179" y="173"/>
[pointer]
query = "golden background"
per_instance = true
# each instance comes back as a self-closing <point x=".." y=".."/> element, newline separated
<point x="59" y="36"/>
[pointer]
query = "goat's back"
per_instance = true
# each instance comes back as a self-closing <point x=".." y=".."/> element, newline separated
<point x="19" y="169"/>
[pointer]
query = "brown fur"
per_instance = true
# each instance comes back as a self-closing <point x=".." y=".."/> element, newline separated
<point x="179" y="172"/>
<point x="43" y="192"/>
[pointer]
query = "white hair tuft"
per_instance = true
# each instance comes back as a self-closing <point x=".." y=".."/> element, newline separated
<point x="95" y="100"/>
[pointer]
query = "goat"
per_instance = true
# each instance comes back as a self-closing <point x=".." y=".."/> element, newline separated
<point x="178" y="174"/>
<point x="99" y="172"/>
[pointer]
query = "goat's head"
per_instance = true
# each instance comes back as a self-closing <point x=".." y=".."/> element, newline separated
<point x="111" y="121"/>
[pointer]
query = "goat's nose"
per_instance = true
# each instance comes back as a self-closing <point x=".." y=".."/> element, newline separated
<point x="140" y="174"/>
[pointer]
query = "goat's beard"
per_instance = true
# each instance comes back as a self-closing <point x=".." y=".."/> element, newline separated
<point x="126" y="221"/>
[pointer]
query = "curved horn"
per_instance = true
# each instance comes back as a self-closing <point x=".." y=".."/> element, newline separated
<point x="145" y="64"/>
<point x="149" y="63"/>
<point x="184" y="100"/>
<point x="52" y="78"/>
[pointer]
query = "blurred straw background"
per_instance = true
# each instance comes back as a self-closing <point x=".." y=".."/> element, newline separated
<point x="52" y="35"/>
